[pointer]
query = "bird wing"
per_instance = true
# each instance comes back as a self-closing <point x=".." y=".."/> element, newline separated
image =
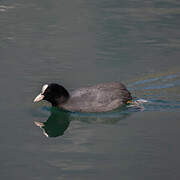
<point x="103" y="97"/>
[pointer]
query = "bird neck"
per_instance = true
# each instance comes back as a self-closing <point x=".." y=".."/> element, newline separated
<point x="60" y="101"/>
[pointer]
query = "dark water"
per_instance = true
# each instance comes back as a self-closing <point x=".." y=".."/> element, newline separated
<point x="80" y="43"/>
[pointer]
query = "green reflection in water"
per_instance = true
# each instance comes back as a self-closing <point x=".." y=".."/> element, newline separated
<point x="59" y="119"/>
<point x="56" y="124"/>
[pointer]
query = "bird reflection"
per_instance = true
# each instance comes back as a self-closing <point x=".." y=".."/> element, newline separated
<point x="111" y="117"/>
<point x="59" y="119"/>
<point x="56" y="124"/>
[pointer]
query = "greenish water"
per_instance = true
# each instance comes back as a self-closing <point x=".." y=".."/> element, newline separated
<point x="81" y="43"/>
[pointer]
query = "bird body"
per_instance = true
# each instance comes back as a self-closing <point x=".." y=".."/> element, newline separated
<point x="98" y="98"/>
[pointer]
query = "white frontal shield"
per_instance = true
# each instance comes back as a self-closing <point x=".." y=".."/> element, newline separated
<point x="41" y="96"/>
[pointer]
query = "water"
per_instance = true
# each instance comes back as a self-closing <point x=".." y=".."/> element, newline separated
<point x="81" y="43"/>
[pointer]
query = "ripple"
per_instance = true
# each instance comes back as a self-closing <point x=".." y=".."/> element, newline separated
<point x="4" y="8"/>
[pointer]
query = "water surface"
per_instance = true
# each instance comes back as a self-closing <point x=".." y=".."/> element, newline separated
<point x="81" y="43"/>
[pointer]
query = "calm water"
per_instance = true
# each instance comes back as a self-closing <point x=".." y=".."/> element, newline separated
<point x="81" y="43"/>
